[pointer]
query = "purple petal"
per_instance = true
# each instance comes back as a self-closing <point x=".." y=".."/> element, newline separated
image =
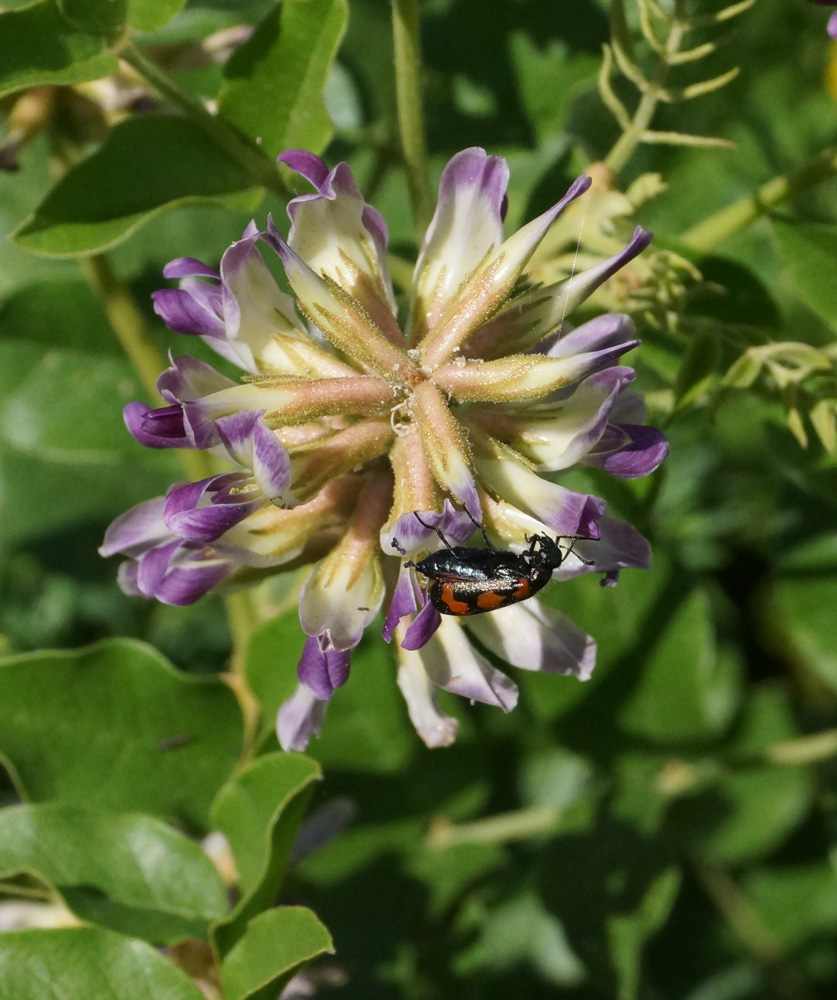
<point x="422" y="628"/>
<point x="256" y="448"/>
<point x="412" y="536"/>
<point x="645" y="449"/>
<point x="619" y="546"/>
<point x="189" y="312"/>
<point x="160" y="428"/>
<point x="193" y="523"/>
<point x="188" y="267"/>
<point x="190" y="379"/>
<point x="299" y="718"/>
<point x="831" y="27"/>
<point x="136" y="530"/>
<point x="126" y="577"/>
<point x="177" y="575"/>
<point x="323" y="670"/>
<point x="404" y="602"/>
<point x="305" y="164"/>
<point x="612" y="330"/>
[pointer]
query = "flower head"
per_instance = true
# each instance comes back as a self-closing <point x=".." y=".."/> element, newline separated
<point x="362" y="444"/>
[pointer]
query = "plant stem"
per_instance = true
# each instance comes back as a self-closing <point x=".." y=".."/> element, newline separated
<point x="237" y="146"/>
<point x="625" y="146"/>
<point x="708" y="233"/>
<point x="407" y="52"/>
<point x="501" y="829"/>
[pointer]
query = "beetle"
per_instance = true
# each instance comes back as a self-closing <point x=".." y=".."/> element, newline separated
<point x="468" y="581"/>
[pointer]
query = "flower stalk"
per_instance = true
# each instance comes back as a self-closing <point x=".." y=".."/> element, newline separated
<point x="407" y="53"/>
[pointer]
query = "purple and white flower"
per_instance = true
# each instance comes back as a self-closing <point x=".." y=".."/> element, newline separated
<point x="348" y="421"/>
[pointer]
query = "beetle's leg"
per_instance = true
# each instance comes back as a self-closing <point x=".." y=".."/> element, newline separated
<point x="481" y="528"/>
<point x="424" y="524"/>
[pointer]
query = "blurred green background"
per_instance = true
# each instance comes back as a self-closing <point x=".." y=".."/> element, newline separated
<point x="648" y="834"/>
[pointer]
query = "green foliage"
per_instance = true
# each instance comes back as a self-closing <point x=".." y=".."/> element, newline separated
<point x="116" y="709"/>
<point x="126" y="872"/>
<point x="666" y="830"/>
<point x="86" y="962"/>
<point x="274" y="84"/>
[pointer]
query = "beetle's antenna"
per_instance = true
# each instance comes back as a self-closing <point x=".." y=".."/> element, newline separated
<point x="430" y="527"/>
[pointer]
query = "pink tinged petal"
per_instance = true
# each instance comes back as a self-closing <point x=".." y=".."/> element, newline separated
<point x="573" y="291"/>
<point x="345" y="320"/>
<point x="434" y="727"/>
<point x="160" y="428"/>
<point x="323" y="669"/>
<point x="609" y="336"/>
<point x="620" y="546"/>
<point x="466" y="227"/>
<point x="831" y="27"/>
<point x="445" y="447"/>
<point x="530" y="318"/>
<point x="343" y="594"/>
<point x="255" y="448"/>
<point x="533" y="636"/>
<point x="484" y="292"/>
<point x="188" y="267"/>
<point x="331" y="232"/>
<point x="558" y="436"/>
<point x="564" y="511"/>
<point x="136" y="530"/>
<point x="641" y="454"/>
<point x="255" y="308"/>
<point x="454" y="665"/>
<point x="423" y="627"/>
<point x="299" y="718"/>
<point x="341" y="598"/>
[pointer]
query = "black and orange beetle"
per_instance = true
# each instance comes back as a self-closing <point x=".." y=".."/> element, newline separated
<point x="466" y="581"/>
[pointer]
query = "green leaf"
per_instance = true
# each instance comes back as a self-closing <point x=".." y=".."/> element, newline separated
<point x="38" y="47"/>
<point x="259" y="811"/>
<point x="809" y="253"/>
<point x="83" y="963"/>
<point x="64" y="454"/>
<point x="101" y="17"/>
<point x="132" y="874"/>
<point x="147" y="164"/>
<point x="745" y="811"/>
<point x="114" y="726"/>
<point x="275" y="946"/>
<point x="275" y="82"/>
<point x="689" y="686"/>
<point x="149" y="15"/>
<point x="804" y="607"/>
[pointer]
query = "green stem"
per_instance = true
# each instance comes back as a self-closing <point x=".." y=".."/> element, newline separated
<point x="708" y="233"/>
<point x="238" y="147"/>
<point x="502" y="829"/>
<point x="407" y="51"/>
<point x="626" y="144"/>
<point x="126" y="320"/>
